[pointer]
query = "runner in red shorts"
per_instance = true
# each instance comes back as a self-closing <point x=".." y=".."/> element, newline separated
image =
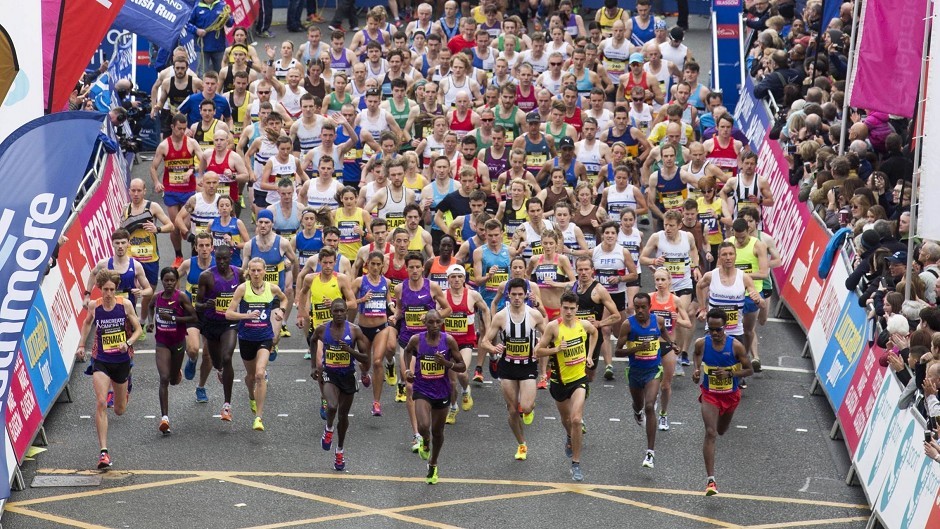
<point x="469" y="315"/>
<point x="724" y="361"/>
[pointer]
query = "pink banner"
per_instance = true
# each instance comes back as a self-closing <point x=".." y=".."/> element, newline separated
<point x="860" y="398"/>
<point x="23" y="413"/>
<point x="891" y="39"/>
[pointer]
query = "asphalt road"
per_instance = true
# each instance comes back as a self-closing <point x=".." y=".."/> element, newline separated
<point x="777" y="466"/>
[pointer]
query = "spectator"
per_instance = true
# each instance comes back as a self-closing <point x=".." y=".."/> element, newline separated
<point x="885" y="230"/>
<point x="208" y="23"/>
<point x="911" y="308"/>
<point x="780" y="74"/>
<point x="758" y="12"/>
<point x="930" y="319"/>
<point x="928" y="256"/>
<point x="896" y="165"/>
<point x="889" y="274"/>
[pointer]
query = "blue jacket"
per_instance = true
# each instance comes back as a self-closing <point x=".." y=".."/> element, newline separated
<point x="205" y="13"/>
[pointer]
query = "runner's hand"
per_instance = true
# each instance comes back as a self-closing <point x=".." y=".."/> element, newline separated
<point x="158" y="188"/>
<point x="696" y="376"/>
<point x="440" y="359"/>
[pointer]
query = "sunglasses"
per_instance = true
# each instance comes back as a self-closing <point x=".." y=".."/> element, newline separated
<point x="714" y="329"/>
<point x="260" y="92"/>
<point x="554" y="64"/>
<point x="486" y="119"/>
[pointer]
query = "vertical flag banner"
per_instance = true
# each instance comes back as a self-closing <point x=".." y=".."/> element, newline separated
<point x="890" y="39"/>
<point x="20" y="67"/>
<point x="928" y="218"/>
<point x="159" y="21"/>
<point x="32" y="219"/>
<point x="72" y="31"/>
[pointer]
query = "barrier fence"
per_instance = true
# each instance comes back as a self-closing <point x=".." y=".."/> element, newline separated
<point x="46" y="352"/>
<point x="883" y="442"/>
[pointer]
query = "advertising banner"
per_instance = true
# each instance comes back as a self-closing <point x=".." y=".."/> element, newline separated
<point x="843" y="352"/>
<point x="860" y="396"/>
<point x="727" y="38"/>
<point x="23" y="414"/>
<point x="20" y="67"/>
<point x="159" y="21"/>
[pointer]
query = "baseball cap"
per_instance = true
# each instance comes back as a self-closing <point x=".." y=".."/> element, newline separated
<point x="898" y="257"/>
<point x="566" y="142"/>
<point x="456" y="269"/>
<point x="636" y="57"/>
<point x="532" y="117"/>
<point x="676" y="34"/>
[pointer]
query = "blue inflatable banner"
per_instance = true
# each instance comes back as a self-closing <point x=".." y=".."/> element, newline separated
<point x="159" y="21"/>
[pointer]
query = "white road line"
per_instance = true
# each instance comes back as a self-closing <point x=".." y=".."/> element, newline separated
<point x="676" y="423"/>
<point x="614" y="419"/>
<point x="150" y="416"/>
<point x="483" y="416"/>
<point x="741" y="426"/>
<point x="788" y="369"/>
<point x="780" y="320"/>
<point x="608" y="385"/>
<point x="241" y="505"/>
<point x="300" y="380"/>
<point x="798" y="396"/>
<point x="549" y="418"/>
<point x="282" y="415"/>
<point x="84" y="416"/>
<point x="802" y="430"/>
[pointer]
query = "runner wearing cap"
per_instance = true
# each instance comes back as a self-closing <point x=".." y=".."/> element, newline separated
<point x="637" y="76"/>
<point x="566" y="160"/>
<point x="469" y="314"/>
<point x="538" y="147"/>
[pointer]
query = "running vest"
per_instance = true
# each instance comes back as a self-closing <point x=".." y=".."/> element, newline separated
<point x="534" y="238"/>
<point x="286" y="226"/>
<point x="112" y="328"/>
<point x="590" y="158"/>
<point x="568" y="365"/>
<point x="664" y="309"/>
<point x="377" y="305"/>
<point x="709" y="215"/>
<point x="167" y="330"/>
<point x="588" y="309"/>
<point x="321" y="291"/>
<point x="393" y="211"/>
<point x="518" y="339"/>
<point x="128" y="279"/>
<point x="615" y="59"/>
<point x="177" y="165"/>
<point x="640" y="36"/>
<point x="536" y="154"/>
<point x="508" y="123"/>
<point x="220" y="293"/>
<point x="712" y="359"/>
<point x="438" y="273"/>
<point x="256" y="329"/>
<point x="648" y="336"/>
<point x="545" y="272"/>
<point x="609" y="265"/>
<point x="746" y="261"/>
<point x="730" y="299"/>
<point x="142" y="244"/>
<point x="335" y="358"/>
<point x="725" y="157"/>
<point x="461" y="322"/>
<point x="192" y="277"/>
<point x="203" y="213"/>
<point x="671" y="193"/>
<point x="632" y="243"/>
<point x="501" y="262"/>
<point x="677" y="260"/>
<point x="273" y="260"/>
<point x="747" y="195"/>
<point x="414" y="306"/>
<point x="307" y="247"/>
<point x="349" y="241"/>
<point x="227" y="184"/>
<point x="618" y="201"/>
<point x="206" y="137"/>
<point x="431" y="378"/>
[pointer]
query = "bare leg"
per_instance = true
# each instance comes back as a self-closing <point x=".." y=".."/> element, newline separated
<point x="669" y="368"/>
<point x="510" y="393"/>
<point x="175" y="236"/>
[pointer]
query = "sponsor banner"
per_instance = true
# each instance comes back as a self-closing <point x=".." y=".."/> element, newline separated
<point x="23" y="414"/>
<point x="65" y="327"/>
<point x="905" y="502"/>
<point x="72" y="30"/>
<point x="890" y="39"/>
<point x="20" y="66"/>
<point x="881" y="435"/>
<point x="42" y="355"/>
<point x="803" y="285"/>
<point x="843" y="352"/>
<point x="728" y="31"/>
<point x="831" y="301"/>
<point x="860" y="397"/>
<point x="726" y="16"/>
<point x="928" y="219"/>
<point x="159" y="21"/>
<point x="244" y="12"/>
<point x="102" y="213"/>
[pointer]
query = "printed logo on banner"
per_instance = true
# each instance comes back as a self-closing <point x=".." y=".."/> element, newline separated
<point x="788" y="218"/>
<point x="838" y="363"/>
<point x="727" y="3"/>
<point x="100" y="217"/>
<point x="43" y="356"/>
<point x="728" y="31"/>
<point x="23" y="414"/>
<point x="803" y="287"/>
<point x="879" y="437"/>
<point x="860" y="397"/>
<point x="912" y="479"/>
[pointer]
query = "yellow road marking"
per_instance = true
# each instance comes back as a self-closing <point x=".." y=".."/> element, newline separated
<point x="473" y="481"/>
<point x="366" y="511"/>
<point x="109" y="490"/>
<point x="808" y="523"/>
<point x="656" y="508"/>
<point x="51" y="517"/>
<point x="465" y="501"/>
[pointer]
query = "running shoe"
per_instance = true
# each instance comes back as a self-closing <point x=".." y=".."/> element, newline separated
<point x="226" y="413"/>
<point x="521" y="452"/>
<point x="178" y="261"/>
<point x="478" y="375"/>
<point x="416" y="444"/>
<point x="639" y="418"/>
<point x="711" y="488"/>
<point x="648" y="460"/>
<point x="336" y="27"/>
<point x="576" y="472"/>
<point x="266" y="35"/>
<point x="285" y="332"/>
<point x="583" y="426"/>
<point x="326" y="441"/>
<point x="104" y="460"/>
<point x="684" y="359"/>
<point x="467" y="402"/>
<point x="110" y="399"/>
<point x="189" y="370"/>
<point x="743" y="383"/>
<point x="542" y="383"/>
<point x="307" y="356"/>
<point x="253" y="404"/>
<point x="663" y="423"/>
<point x="451" y="416"/>
<point x="527" y="418"/>
<point x="323" y="409"/>
<point x="272" y="356"/>
<point x="424" y="451"/>
<point x="680" y="371"/>
<point x="376" y="409"/>
<point x="340" y="464"/>
<point x="400" y="395"/>
<point x="201" y="396"/>
<point x="755" y="363"/>
<point x="494" y="367"/>
<point x="391" y="378"/>
<point x="609" y="372"/>
<point x="164" y="425"/>
<point x="366" y="379"/>
<point x="258" y="425"/>
<point x="568" y="451"/>
<point x="432" y="475"/>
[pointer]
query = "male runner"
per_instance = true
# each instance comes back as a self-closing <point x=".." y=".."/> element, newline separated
<point x="469" y="315"/>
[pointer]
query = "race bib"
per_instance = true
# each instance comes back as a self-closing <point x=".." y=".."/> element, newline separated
<point x="719" y="384"/>
<point x="321" y="313"/>
<point x="272" y="273"/>
<point x="430" y="368"/>
<point x="222" y="302"/>
<point x="517" y="350"/>
<point x="414" y="316"/>
<point x="335" y="358"/>
<point x="650" y="349"/>
<point x="456" y="323"/>
<point x="493" y="282"/>
<point x="673" y="201"/>
<point x="676" y="268"/>
<point x="111" y="341"/>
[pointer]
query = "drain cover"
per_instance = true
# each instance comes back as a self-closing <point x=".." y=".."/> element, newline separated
<point x="66" y="481"/>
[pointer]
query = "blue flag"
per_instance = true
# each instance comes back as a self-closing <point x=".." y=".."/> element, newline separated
<point x="159" y="21"/>
<point x="32" y="218"/>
